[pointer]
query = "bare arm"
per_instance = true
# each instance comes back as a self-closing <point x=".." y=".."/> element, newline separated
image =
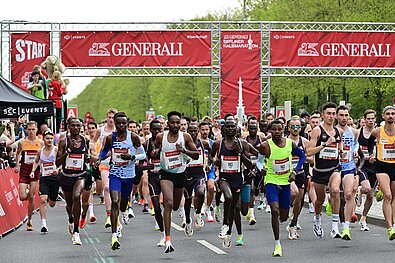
<point x="311" y="146"/>
<point x="190" y="147"/>
<point x="18" y="156"/>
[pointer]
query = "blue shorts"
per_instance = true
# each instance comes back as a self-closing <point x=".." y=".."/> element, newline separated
<point x="211" y="174"/>
<point x="245" y="193"/>
<point x="124" y="186"/>
<point x="280" y="194"/>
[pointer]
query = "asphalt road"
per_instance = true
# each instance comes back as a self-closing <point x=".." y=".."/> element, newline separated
<point x="139" y="242"/>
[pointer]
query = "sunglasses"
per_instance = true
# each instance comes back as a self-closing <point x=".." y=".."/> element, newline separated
<point x="295" y="126"/>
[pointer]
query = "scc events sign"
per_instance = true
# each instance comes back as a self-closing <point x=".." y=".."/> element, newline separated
<point x="332" y="49"/>
<point x="136" y="49"/>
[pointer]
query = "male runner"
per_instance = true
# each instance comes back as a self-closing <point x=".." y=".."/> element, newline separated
<point x="25" y="157"/>
<point x="173" y="145"/>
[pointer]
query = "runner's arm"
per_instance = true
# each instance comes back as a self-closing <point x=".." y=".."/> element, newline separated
<point x="62" y="153"/>
<point x="36" y="160"/>
<point x="190" y="147"/>
<point x="311" y="146"/>
<point x="298" y="152"/>
<point x="140" y="149"/>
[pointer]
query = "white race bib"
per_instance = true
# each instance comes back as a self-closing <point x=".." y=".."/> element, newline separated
<point x="347" y="154"/>
<point x="116" y="156"/>
<point x="199" y="162"/>
<point x="172" y="159"/>
<point x="330" y="152"/>
<point x="281" y="166"/>
<point x="388" y="151"/>
<point x="295" y="160"/>
<point x="30" y="157"/>
<point x="48" y="168"/>
<point x="75" y="161"/>
<point x="253" y="159"/>
<point x="230" y="164"/>
<point x="156" y="163"/>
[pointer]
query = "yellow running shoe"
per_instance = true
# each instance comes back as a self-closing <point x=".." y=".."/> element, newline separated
<point x="379" y="196"/>
<point x="115" y="243"/>
<point x="391" y="233"/>
<point x="328" y="209"/>
<point x="346" y="234"/>
<point x="277" y="251"/>
<point x="29" y="226"/>
<point x="108" y="222"/>
<point x="248" y="216"/>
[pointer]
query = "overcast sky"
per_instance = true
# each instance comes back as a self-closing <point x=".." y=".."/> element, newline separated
<point x="110" y="11"/>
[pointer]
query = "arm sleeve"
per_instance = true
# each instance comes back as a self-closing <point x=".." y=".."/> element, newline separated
<point x="302" y="157"/>
<point x="104" y="151"/>
<point x="141" y="153"/>
<point x="259" y="162"/>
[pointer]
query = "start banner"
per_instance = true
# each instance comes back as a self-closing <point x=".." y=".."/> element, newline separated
<point x="27" y="50"/>
<point x="240" y="72"/>
<point x="332" y="49"/>
<point x="136" y="49"/>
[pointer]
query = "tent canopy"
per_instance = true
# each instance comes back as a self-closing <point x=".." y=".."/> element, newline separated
<point x="15" y="102"/>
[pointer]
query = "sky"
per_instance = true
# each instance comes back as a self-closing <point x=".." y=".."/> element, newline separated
<point x="111" y="11"/>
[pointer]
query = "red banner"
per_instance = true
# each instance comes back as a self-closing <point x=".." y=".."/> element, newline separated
<point x="332" y="49"/>
<point x="136" y="49"/>
<point x="27" y="50"/>
<point x="240" y="60"/>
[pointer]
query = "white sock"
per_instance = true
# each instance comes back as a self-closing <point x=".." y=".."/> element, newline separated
<point x="317" y="220"/>
<point x="43" y="222"/>
<point x="114" y="235"/>
<point x="335" y="221"/>
<point x="252" y="212"/>
<point x="277" y="242"/>
<point x="90" y="210"/>
<point x="346" y="224"/>
<point x="163" y="234"/>
<point x="393" y="226"/>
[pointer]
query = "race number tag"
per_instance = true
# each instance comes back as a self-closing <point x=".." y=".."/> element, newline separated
<point x="173" y="160"/>
<point x="48" y="168"/>
<point x="281" y="166"/>
<point x="330" y="152"/>
<point x="230" y="164"/>
<point x="156" y="163"/>
<point x="75" y="161"/>
<point x="199" y="162"/>
<point x="30" y="157"/>
<point x="253" y="159"/>
<point x="388" y="152"/>
<point x="346" y="154"/>
<point x="295" y="160"/>
<point x="366" y="152"/>
<point x="116" y="156"/>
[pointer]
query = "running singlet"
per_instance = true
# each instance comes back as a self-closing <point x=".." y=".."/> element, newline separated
<point x="230" y="161"/>
<point x="28" y="155"/>
<point x="74" y="164"/>
<point x="363" y="142"/>
<point x="349" y="147"/>
<point x="47" y="163"/>
<point x="154" y="161"/>
<point x="118" y="167"/>
<point x="279" y="163"/>
<point x="256" y="145"/>
<point x="171" y="160"/>
<point x="103" y="134"/>
<point x="195" y="167"/>
<point x="386" y="147"/>
<point x="328" y="158"/>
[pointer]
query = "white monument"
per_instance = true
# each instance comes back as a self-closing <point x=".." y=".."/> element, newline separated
<point x="240" y="107"/>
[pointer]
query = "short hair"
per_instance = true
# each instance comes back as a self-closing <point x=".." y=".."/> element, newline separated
<point x="267" y="114"/>
<point x="368" y="111"/>
<point x="328" y="105"/>
<point x="173" y="113"/>
<point x="35" y="73"/>
<point x="153" y="122"/>
<point x="341" y="107"/>
<point x="186" y="118"/>
<point x="252" y="117"/>
<point x="30" y="123"/>
<point x="304" y="114"/>
<point x="274" y="122"/>
<point x="132" y="121"/>
<point x="111" y="110"/>
<point x="228" y="115"/>
<point x="92" y="123"/>
<point x="314" y="117"/>
<point x="120" y="114"/>
<point x="47" y="132"/>
<point x="193" y="119"/>
<point x="295" y="118"/>
<point x="207" y="119"/>
<point x="202" y="123"/>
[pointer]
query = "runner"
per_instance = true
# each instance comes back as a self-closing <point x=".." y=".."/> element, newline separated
<point x="325" y="145"/>
<point x="173" y="146"/>
<point x="278" y="152"/>
<point x="195" y="182"/>
<point x="385" y="164"/>
<point x="104" y="167"/>
<point x="73" y="156"/>
<point x="125" y="149"/>
<point x="25" y="157"/>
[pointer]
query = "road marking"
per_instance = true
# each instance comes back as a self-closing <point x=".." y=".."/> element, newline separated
<point x="212" y="247"/>
<point x="97" y="251"/>
<point x="177" y="227"/>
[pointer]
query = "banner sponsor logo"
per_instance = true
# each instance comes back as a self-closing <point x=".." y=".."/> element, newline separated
<point x="333" y="49"/>
<point x="16" y="111"/>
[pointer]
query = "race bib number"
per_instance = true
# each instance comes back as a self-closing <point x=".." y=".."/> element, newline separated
<point x="48" y="168"/>
<point x="366" y="152"/>
<point x="75" y="161"/>
<point x="156" y="163"/>
<point x="346" y="154"/>
<point x="330" y="152"/>
<point x="295" y="160"/>
<point x="230" y="164"/>
<point x="253" y="159"/>
<point x="30" y="157"/>
<point x="281" y="166"/>
<point x="173" y="160"/>
<point x="116" y="156"/>
<point x="388" y="151"/>
<point x="199" y="162"/>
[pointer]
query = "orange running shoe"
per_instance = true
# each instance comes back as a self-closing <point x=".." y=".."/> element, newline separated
<point x="82" y="223"/>
<point x="354" y="218"/>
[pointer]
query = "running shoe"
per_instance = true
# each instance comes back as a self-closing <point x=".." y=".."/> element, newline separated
<point x="184" y="222"/>
<point x="268" y="209"/>
<point x="168" y="247"/>
<point x="261" y="205"/>
<point x="199" y="222"/>
<point x="92" y="219"/>
<point x="156" y="226"/>
<point x="318" y="231"/>
<point x="298" y="226"/>
<point x="239" y="241"/>
<point x="108" y="222"/>
<point x="278" y="252"/>
<point x="145" y="209"/>
<point x="209" y="216"/>
<point x="29" y="226"/>
<point x="70" y="228"/>
<point x="217" y="211"/>
<point x="162" y="241"/>
<point x="248" y="216"/>
<point x="354" y="218"/>
<point x="130" y="212"/>
<point x="188" y="230"/>
<point x="44" y="229"/>
<point x="152" y="211"/>
<point x="227" y="241"/>
<point x="252" y="221"/>
<point x="141" y="201"/>
<point x="115" y="243"/>
<point x="311" y="208"/>
<point x="335" y="233"/>
<point x="391" y="233"/>
<point x="346" y="234"/>
<point x="379" y="196"/>
<point x="119" y="230"/>
<point x="125" y="218"/>
<point x="82" y="223"/>
<point x="223" y="232"/>
<point x="328" y="209"/>
<point x="76" y="239"/>
<point x="364" y="226"/>
<point x="181" y="213"/>
<point x="292" y="232"/>
<point x="358" y="197"/>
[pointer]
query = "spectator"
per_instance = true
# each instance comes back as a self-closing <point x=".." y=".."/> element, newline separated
<point x="56" y="89"/>
<point x="7" y="157"/>
<point x="37" y="87"/>
<point x="41" y="78"/>
<point x="7" y="133"/>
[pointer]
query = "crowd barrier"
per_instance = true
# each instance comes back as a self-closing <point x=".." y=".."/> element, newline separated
<point x="13" y="212"/>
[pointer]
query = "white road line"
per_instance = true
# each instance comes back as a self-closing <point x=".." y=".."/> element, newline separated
<point x="211" y="247"/>
<point x="177" y="227"/>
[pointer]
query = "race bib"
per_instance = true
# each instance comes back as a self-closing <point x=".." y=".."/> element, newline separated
<point x="366" y="152"/>
<point x="388" y="151"/>
<point x="281" y="166"/>
<point x="30" y="157"/>
<point x="75" y="161"/>
<point x="116" y="156"/>
<point x="156" y="163"/>
<point x="346" y="154"/>
<point x="172" y="160"/>
<point x="295" y="160"/>
<point x="197" y="163"/>
<point x="48" y="168"/>
<point x="253" y="159"/>
<point x="330" y="152"/>
<point x="230" y="164"/>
